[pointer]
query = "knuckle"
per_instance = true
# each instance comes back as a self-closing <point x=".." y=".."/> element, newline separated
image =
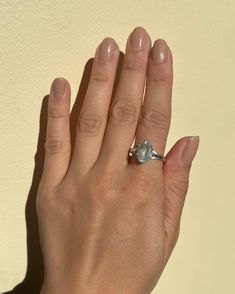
<point x="100" y="76"/>
<point x="124" y="112"/>
<point x="155" y="119"/>
<point x="138" y="201"/>
<point x="54" y="202"/>
<point x="159" y="74"/>
<point x="101" y="189"/>
<point x="103" y="195"/>
<point x="68" y="203"/>
<point x="134" y="62"/>
<point x="44" y="203"/>
<point x="179" y="187"/>
<point x="90" y="123"/>
<point x="143" y="182"/>
<point x="56" y="146"/>
<point x="140" y="192"/>
<point x="159" y="78"/>
<point x="56" y="112"/>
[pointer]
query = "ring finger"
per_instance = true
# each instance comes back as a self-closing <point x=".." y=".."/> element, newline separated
<point x="155" y="116"/>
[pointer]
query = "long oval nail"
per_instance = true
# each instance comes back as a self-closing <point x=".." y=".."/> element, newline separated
<point x="159" y="51"/>
<point x="106" y="50"/>
<point x="138" y="39"/>
<point x="190" y="149"/>
<point x="58" y="88"/>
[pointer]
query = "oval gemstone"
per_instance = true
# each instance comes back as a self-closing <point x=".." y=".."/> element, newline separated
<point x="144" y="151"/>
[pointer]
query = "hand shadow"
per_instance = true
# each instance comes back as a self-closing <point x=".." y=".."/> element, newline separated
<point x="34" y="274"/>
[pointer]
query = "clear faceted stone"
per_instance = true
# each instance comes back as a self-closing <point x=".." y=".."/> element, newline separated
<point x="144" y="151"/>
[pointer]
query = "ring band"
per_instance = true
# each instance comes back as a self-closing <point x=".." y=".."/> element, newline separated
<point x="144" y="151"/>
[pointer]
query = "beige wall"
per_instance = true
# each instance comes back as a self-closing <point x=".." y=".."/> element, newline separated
<point x="40" y="40"/>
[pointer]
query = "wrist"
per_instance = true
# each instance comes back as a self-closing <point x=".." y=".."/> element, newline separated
<point x="85" y="291"/>
<point x="46" y="290"/>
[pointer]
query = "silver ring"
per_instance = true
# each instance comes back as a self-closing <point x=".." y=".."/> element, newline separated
<point x="144" y="151"/>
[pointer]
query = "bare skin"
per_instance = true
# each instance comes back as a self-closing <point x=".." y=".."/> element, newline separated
<point x="109" y="224"/>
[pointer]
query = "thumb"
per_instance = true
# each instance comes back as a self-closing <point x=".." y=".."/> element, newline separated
<point x="176" y="180"/>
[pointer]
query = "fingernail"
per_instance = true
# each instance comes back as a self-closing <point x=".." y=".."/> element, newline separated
<point x="58" y="88"/>
<point x="106" y="51"/>
<point x="159" y="51"/>
<point x="190" y="149"/>
<point x="138" y="39"/>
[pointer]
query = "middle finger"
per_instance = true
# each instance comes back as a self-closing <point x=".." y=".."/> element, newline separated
<point x="125" y="108"/>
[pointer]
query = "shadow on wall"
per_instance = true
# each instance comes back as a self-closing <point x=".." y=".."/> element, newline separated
<point x="34" y="275"/>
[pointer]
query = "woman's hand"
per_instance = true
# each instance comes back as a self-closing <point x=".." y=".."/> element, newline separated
<point x="107" y="223"/>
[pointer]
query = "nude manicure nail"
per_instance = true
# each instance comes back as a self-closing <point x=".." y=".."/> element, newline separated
<point x="138" y="39"/>
<point x="106" y="51"/>
<point x="159" y="51"/>
<point x="58" y="88"/>
<point x="190" y="149"/>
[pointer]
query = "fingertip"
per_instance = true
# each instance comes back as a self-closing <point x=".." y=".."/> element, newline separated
<point x="60" y="80"/>
<point x="182" y="152"/>
<point x="174" y="155"/>
<point x="190" y="149"/>
<point x="60" y="91"/>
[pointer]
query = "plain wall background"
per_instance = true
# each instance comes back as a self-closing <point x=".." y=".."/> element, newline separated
<point x="41" y="40"/>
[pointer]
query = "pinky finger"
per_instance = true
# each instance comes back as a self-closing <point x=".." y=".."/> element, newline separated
<point x="58" y="145"/>
<point x="176" y="178"/>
